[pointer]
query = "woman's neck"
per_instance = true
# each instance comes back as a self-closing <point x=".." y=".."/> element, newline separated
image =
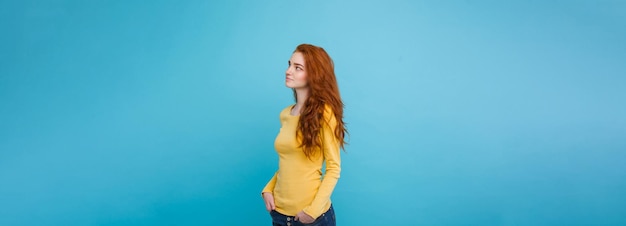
<point x="301" y="95"/>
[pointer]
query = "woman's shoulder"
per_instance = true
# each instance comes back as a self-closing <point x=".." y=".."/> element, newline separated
<point x="286" y="111"/>
<point x="328" y="110"/>
<point x="329" y="115"/>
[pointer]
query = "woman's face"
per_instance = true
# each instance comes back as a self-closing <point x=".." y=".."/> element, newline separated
<point x="296" y="73"/>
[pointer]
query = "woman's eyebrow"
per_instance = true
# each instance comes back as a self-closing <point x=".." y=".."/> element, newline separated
<point x="297" y="64"/>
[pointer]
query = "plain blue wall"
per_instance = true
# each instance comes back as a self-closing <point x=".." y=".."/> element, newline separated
<point x="460" y="113"/>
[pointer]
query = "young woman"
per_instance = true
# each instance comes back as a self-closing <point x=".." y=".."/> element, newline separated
<point x="311" y="134"/>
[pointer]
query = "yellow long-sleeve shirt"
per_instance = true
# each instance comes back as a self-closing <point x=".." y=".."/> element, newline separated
<point x="298" y="184"/>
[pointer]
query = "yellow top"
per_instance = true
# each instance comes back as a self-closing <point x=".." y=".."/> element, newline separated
<point x="298" y="184"/>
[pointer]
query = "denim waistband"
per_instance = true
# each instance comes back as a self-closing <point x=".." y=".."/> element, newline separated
<point x="327" y="218"/>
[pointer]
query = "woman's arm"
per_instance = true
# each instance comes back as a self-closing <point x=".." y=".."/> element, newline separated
<point x="269" y="187"/>
<point x="332" y="157"/>
<point x="268" y="194"/>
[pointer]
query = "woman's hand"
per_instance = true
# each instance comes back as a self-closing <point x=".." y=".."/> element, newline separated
<point x="268" y="197"/>
<point x="304" y="218"/>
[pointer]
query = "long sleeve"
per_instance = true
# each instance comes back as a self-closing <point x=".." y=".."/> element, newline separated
<point x="332" y="158"/>
<point x="269" y="187"/>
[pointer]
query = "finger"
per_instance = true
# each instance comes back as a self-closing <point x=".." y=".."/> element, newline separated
<point x="267" y="206"/>
<point x="272" y="205"/>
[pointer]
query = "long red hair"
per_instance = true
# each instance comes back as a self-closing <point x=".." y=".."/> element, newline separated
<point x="323" y="93"/>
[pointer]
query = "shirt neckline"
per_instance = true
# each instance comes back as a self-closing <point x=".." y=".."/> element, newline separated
<point x="289" y="111"/>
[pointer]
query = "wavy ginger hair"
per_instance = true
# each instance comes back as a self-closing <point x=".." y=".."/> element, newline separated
<point x="323" y="93"/>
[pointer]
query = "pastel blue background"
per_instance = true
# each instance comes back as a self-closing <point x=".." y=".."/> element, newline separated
<point x="460" y="112"/>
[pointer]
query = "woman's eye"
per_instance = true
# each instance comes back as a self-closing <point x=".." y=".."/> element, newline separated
<point x="299" y="68"/>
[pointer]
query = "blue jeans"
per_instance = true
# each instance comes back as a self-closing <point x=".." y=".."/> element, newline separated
<point x="326" y="219"/>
